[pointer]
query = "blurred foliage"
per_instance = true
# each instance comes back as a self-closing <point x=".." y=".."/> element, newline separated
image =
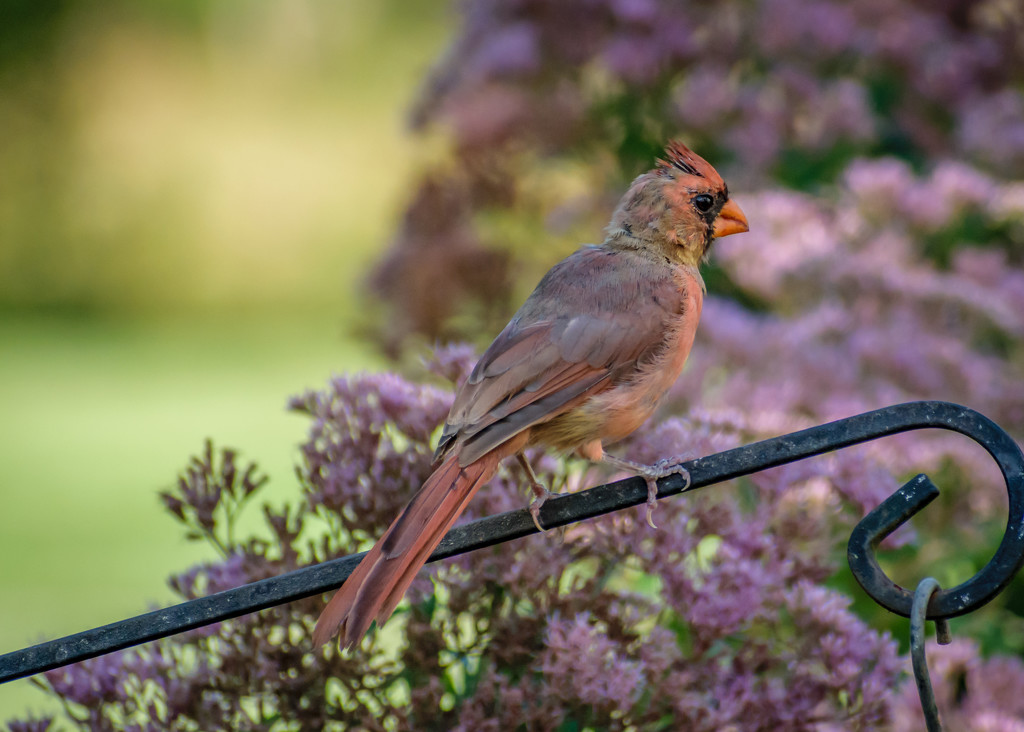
<point x="774" y="92"/>
<point x="162" y="154"/>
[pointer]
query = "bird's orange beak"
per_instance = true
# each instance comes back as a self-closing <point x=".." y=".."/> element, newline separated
<point x="730" y="220"/>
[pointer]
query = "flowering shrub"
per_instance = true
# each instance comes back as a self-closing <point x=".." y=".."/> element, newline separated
<point x="755" y="78"/>
<point x="549" y="124"/>
<point x="877" y="150"/>
<point x="715" y="619"/>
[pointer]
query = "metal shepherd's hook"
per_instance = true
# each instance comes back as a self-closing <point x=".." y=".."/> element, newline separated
<point x="929" y="602"/>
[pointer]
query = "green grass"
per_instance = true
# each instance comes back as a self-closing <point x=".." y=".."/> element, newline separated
<point x="97" y="416"/>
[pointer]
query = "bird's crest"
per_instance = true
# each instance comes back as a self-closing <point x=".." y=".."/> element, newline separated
<point x="682" y="158"/>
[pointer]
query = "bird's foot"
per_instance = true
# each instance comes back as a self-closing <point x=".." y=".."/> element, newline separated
<point x="540" y="495"/>
<point x="540" y="492"/>
<point x="651" y="475"/>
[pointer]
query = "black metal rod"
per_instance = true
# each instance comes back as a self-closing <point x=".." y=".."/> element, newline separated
<point x="569" y="508"/>
<point x="927" y="587"/>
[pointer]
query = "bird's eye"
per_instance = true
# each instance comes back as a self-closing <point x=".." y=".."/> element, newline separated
<point x="703" y="202"/>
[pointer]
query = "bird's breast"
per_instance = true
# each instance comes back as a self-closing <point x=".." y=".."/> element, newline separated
<point x="619" y="410"/>
<point x="631" y="402"/>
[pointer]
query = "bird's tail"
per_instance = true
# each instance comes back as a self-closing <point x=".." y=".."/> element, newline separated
<point x="377" y="585"/>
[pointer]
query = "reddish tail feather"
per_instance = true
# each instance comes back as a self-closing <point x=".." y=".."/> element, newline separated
<point x="377" y="585"/>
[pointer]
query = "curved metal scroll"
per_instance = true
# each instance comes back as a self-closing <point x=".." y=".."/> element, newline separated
<point x="918" y="493"/>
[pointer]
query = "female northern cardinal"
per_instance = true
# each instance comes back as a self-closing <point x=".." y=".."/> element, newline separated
<point x="584" y="362"/>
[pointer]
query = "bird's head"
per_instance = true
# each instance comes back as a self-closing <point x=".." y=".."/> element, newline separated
<point x="677" y="209"/>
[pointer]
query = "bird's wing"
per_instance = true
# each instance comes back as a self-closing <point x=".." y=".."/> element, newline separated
<point x="591" y="320"/>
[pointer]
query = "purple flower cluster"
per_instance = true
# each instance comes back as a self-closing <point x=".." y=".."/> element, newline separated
<point x="41" y="724"/>
<point x="240" y="674"/>
<point x="972" y="693"/>
<point x="756" y="78"/>
<point x="533" y="93"/>
<point x="369" y="444"/>
<point x="713" y="620"/>
<point x="210" y="494"/>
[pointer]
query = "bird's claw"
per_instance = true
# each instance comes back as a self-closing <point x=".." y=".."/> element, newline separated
<point x="652" y="500"/>
<point x="667" y="466"/>
<point x="652" y="474"/>
<point x="541" y="495"/>
<point x="540" y="492"/>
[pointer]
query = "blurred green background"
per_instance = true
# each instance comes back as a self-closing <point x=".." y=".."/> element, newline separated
<point x="190" y="195"/>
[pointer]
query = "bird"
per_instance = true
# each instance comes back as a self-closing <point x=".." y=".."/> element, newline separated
<point x="582" y="364"/>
